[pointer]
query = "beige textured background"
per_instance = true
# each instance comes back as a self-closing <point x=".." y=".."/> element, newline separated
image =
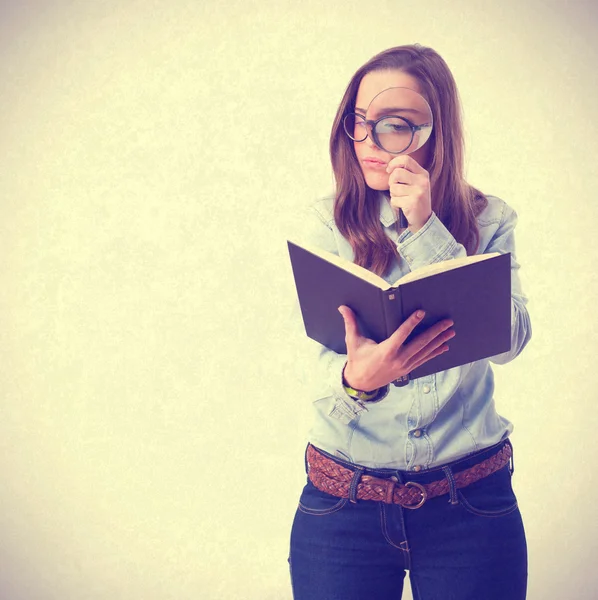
<point x="153" y="158"/>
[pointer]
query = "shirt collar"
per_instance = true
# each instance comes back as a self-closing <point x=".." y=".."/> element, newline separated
<point x="388" y="216"/>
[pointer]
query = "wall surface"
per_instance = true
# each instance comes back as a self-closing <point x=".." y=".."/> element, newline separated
<point x="155" y="156"/>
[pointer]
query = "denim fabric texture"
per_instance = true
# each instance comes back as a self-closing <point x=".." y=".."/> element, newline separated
<point x="433" y="420"/>
<point x="465" y="545"/>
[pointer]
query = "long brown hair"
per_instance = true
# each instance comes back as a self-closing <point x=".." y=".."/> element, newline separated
<point x="455" y="202"/>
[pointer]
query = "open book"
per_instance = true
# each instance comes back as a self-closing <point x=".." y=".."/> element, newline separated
<point x="474" y="291"/>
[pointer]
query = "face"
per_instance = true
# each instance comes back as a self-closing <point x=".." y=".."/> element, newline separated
<point x="373" y="160"/>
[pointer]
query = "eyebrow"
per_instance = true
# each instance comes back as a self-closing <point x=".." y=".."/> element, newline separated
<point x="392" y="109"/>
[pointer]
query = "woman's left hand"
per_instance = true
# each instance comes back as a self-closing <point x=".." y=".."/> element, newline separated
<point x="409" y="186"/>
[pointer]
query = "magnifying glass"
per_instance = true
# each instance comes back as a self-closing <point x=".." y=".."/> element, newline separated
<point x="398" y="120"/>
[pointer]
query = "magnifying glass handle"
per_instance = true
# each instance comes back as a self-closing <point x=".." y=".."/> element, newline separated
<point x="403" y="224"/>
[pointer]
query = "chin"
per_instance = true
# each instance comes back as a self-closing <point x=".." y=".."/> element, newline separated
<point x="378" y="183"/>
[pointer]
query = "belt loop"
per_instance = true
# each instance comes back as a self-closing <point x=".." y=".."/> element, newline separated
<point x="452" y="485"/>
<point x="511" y="459"/>
<point x="305" y="458"/>
<point x="354" y="483"/>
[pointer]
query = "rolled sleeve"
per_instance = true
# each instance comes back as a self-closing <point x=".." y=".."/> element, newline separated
<point x="432" y="243"/>
<point x="321" y="368"/>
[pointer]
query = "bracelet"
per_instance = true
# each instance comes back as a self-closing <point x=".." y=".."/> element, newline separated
<point x="358" y="394"/>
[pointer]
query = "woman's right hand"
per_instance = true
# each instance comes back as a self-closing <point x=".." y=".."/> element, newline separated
<point x="371" y="366"/>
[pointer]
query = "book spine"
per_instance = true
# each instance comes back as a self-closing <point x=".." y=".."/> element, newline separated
<point x="392" y="309"/>
<point x="393" y="317"/>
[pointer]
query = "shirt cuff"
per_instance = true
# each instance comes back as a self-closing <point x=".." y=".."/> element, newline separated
<point x="345" y="408"/>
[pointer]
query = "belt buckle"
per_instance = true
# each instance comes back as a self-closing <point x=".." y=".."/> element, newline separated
<point x="422" y="491"/>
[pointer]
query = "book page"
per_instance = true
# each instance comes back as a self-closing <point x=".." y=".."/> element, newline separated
<point x="443" y="266"/>
<point x="346" y="265"/>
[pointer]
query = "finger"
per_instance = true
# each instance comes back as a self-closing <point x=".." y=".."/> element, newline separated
<point x="397" y="203"/>
<point x="406" y="162"/>
<point x="440" y="350"/>
<point x="401" y="175"/>
<point x="440" y="330"/>
<point x="351" y="330"/>
<point x="397" y="339"/>
<point x="436" y="346"/>
<point x="400" y="190"/>
<point x="401" y="202"/>
<point x="398" y="162"/>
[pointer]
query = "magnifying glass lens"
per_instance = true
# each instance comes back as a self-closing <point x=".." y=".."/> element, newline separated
<point x="400" y="120"/>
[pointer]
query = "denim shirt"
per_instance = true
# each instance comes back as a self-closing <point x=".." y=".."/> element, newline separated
<point x="434" y="419"/>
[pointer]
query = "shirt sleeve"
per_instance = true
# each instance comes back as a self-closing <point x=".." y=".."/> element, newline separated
<point x="521" y="329"/>
<point x="431" y="244"/>
<point x="434" y="243"/>
<point x="319" y="368"/>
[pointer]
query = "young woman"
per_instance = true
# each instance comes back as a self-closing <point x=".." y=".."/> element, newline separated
<point x="414" y="477"/>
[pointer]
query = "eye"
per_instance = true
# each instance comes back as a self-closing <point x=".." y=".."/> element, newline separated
<point x="393" y="125"/>
<point x="398" y="128"/>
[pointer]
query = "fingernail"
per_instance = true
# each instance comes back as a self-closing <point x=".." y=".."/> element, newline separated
<point x="420" y="314"/>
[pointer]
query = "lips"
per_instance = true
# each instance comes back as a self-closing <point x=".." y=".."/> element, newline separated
<point x="374" y="163"/>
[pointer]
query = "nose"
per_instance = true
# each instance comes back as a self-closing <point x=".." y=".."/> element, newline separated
<point x="371" y="145"/>
<point x="369" y="140"/>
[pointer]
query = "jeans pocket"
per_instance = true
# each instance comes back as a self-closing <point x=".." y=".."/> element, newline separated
<point x="491" y="496"/>
<point x="315" y="502"/>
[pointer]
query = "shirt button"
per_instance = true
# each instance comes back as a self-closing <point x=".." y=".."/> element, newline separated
<point x="417" y="433"/>
<point x="417" y="468"/>
<point x="426" y="389"/>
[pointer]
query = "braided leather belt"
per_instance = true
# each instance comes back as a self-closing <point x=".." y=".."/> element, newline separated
<point x="334" y="479"/>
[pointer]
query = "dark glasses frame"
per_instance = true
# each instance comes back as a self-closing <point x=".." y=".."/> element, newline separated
<point x="370" y="129"/>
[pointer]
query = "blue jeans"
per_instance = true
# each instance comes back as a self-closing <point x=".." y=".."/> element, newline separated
<point x="466" y="545"/>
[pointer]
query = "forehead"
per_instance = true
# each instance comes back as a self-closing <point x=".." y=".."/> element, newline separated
<point x="376" y="81"/>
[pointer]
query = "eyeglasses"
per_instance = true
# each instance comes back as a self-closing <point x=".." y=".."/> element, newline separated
<point x="390" y="133"/>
